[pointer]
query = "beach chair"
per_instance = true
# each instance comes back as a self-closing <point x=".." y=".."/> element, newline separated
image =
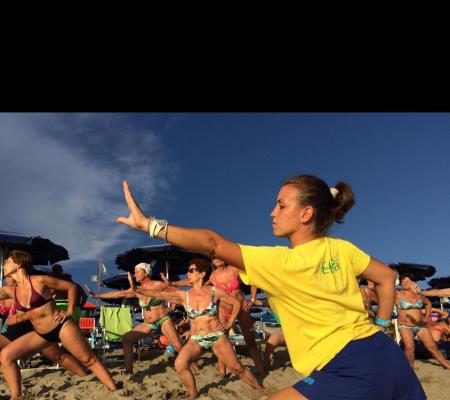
<point x="115" y="322"/>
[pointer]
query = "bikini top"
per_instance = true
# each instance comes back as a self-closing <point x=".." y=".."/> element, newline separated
<point x="233" y="285"/>
<point x="151" y="303"/>
<point x="406" y="305"/>
<point x="438" y="328"/>
<point x="36" y="299"/>
<point x="210" y="311"/>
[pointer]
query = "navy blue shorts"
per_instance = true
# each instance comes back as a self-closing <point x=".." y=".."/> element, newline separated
<point x="372" y="368"/>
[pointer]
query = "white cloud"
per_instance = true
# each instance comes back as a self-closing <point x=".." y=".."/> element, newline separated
<point x="61" y="176"/>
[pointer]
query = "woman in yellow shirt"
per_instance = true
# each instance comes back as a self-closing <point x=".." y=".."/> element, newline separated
<point x="313" y="287"/>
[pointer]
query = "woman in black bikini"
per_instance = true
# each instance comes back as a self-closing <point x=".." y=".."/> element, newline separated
<point x="18" y="324"/>
<point x="50" y="325"/>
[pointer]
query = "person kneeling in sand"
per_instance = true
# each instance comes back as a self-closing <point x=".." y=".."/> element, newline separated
<point x="207" y="332"/>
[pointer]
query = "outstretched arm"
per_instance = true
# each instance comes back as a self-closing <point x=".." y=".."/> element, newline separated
<point x="436" y="292"/>
<point x="163" y="292"/>
<point x="203" y="241"/>
<point x="116" y="294"/>
<point x="184" y="282"/>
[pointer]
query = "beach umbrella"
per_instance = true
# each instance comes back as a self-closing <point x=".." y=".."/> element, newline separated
<point x="169" y="258"/>
<point x="440" y="283"/>
<point x="419" y="272"/>
<point x="43" y="251"/>
<point x="119" y="281"/>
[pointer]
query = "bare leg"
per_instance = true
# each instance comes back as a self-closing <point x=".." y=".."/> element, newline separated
<point x="129" y="339"/>
<point x="26" y="344"/>
<point x="66" y="360"/>
<point x="408" y="344"/>
<point x="190" y="353"/>
<point x="73" y="340"/>
<point x="246" y="323"/>
<point x="287" y="394"/>
<point x="221" y="367"/>
<point x="274" y="340"/>
<point x="225" y="352"/>
<point x="168" y="329"/>
<point x="425" y="336"/>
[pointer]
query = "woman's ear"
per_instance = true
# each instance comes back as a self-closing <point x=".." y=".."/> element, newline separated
<point x="307" y="214"/>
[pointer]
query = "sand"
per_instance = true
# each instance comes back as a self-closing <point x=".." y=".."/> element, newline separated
<point x="155" y="378"/>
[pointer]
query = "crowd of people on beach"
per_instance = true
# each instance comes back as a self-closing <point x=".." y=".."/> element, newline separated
<point x="336" y="341"/>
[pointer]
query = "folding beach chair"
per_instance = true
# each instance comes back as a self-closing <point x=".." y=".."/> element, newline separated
<point x="115" y="322"/>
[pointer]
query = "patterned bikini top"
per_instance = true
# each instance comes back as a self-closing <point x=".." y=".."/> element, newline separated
<point x="406" y="305"/>
<point x="210" y="311"/>
<point x="151" y="303"/>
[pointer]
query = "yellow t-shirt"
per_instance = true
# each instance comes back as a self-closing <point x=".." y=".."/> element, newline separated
<point x="313" y="288"/>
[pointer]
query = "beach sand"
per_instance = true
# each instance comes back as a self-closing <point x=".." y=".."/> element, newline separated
<point x="155" y="378"/>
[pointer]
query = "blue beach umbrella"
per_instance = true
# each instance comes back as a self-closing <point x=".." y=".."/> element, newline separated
<point x="43" y="251"/>
<point x="169" y="259"/>
<point x="419" y="271"/>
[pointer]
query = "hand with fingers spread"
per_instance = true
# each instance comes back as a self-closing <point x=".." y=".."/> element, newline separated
<point x="90" y="292"/>
<point x="132" y="285"/>
<point x="136" y="220"/>
<point x="59" y="316"/>
<point x="165" y="279"/>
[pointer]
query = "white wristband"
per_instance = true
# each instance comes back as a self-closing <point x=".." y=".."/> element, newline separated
<point x="155" y="226"/>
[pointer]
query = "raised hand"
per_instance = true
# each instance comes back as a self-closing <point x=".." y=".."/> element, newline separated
<point x="136" y="220"/>
<point x="130" y="280"/>
<point x="165" y="279"/>
<point x="90" y="292"/>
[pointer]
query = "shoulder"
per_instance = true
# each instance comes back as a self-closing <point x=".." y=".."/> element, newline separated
<point x="263" y="251"/>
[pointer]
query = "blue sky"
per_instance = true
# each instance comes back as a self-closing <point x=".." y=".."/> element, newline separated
<point x="61" y="177"/>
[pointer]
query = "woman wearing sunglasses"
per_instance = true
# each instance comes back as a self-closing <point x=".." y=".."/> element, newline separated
<point x="207" y="333"/>
<point x="226" y="278"/>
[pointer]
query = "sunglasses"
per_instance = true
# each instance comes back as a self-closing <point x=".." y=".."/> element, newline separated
<point x="192" y="270"/>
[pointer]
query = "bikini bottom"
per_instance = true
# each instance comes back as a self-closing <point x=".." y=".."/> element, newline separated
<point x="206" y="340"/>
<point x="414" y="329"/>
<point x="53" y="335"/>
<point x="154" y="326"/>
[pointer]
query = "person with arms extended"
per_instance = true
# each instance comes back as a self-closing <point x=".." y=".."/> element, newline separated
<point x="32" y="295"/>
<point x="207" y="332"/>
<point x="313" y="287"/>
<point x="155" y="315"/>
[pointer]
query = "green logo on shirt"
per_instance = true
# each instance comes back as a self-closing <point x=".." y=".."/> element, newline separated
<point x="331" y="266"/>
